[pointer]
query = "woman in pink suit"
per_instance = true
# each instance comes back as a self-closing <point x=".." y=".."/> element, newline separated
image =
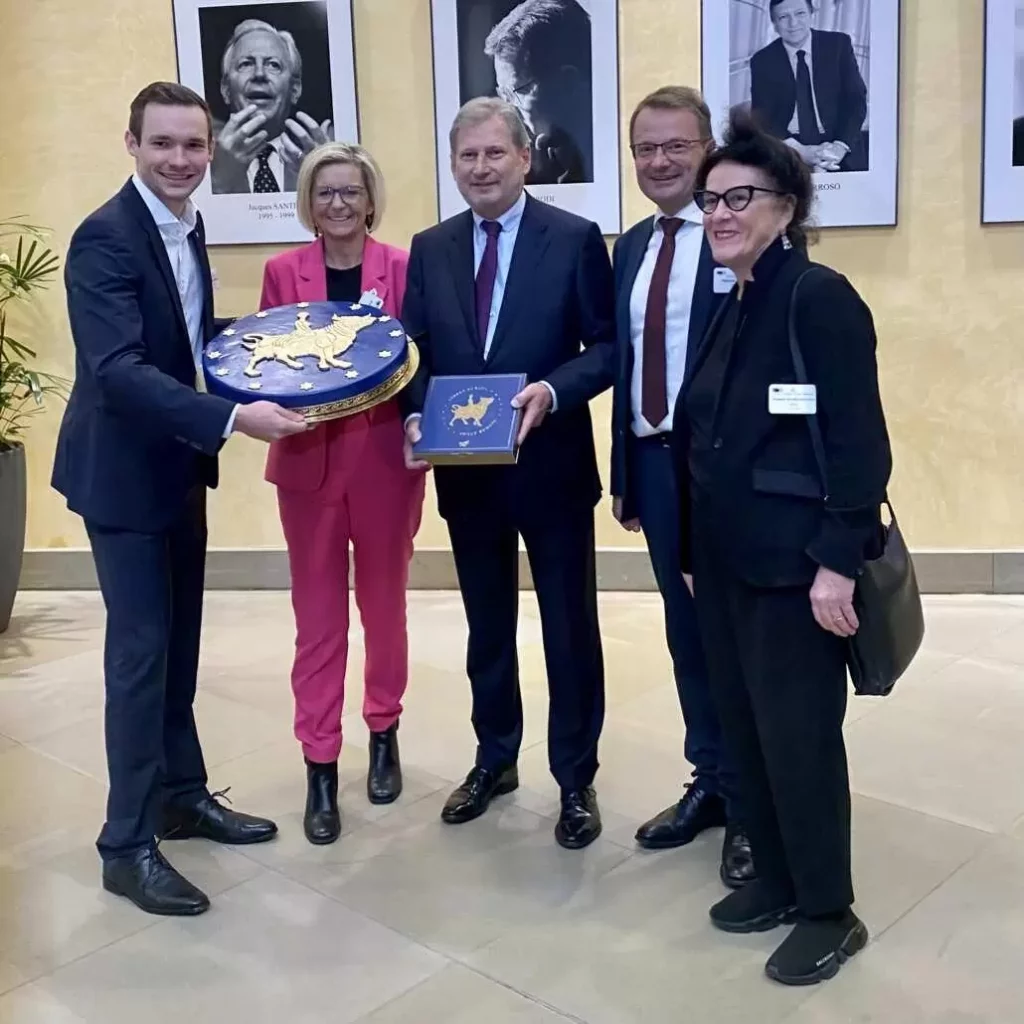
<point x="345" y="481"/>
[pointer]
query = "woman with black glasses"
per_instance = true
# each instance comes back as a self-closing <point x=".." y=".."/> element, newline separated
<point x="773" y="541"/>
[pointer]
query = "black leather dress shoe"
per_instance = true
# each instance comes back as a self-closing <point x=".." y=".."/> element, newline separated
<point x="580" y="821"/>
<point x="737" y="868"/>
<point x="321" y="821"/>
<point x="384" y="780"/>
<point x="208" y="819"/>
<point x="682" y="823"/>
<point x="153" y="885"/>
<point x="474" y="796"/>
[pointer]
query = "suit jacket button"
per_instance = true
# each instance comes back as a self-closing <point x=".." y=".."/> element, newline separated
<point x="717" y="444"/>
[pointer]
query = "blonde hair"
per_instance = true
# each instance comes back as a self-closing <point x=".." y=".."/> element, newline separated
<point x="339" y="153"/>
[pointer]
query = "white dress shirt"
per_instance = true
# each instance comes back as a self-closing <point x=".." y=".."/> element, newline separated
<point x="681" y="282"/>
<point x="791" y="52"/>
<point x="174" y="232"/>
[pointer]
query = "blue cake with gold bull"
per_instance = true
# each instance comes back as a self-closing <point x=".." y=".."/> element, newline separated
<point x="323" y="359"/>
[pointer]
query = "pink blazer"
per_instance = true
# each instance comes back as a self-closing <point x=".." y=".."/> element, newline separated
<point x="300" y="275"/>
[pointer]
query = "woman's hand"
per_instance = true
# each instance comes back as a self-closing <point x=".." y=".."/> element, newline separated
<point x="832" y="603"/>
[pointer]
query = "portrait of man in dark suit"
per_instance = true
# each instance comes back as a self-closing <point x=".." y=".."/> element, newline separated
<point x="806" y="87"/>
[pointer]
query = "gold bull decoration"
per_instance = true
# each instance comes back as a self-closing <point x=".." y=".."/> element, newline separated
<point x="325" y="344"/>
<point x="473" y="411"/>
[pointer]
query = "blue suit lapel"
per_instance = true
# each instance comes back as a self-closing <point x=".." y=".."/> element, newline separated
<point x="631" y="267"/>
<point x="523" y="273"/>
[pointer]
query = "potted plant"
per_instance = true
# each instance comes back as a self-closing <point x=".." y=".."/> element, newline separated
<point x="26" y="264"/>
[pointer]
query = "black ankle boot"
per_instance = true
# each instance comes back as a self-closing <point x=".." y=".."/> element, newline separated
<point x="384" y="780"/>
<point x="322" y="821"/>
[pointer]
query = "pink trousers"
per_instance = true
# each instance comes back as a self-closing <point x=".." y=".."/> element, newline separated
<point x="367" y="498"/>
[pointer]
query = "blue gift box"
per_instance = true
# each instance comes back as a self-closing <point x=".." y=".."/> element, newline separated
<point x="469" y="420"/>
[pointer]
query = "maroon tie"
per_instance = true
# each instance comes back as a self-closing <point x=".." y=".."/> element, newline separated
<point x="485" y="276"/>
<point x="654" y="394"/>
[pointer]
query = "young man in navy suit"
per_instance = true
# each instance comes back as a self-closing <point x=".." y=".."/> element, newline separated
<point x="515" y="286"/>
<point x="136" y="452"/>
<point x="666" y="290"/>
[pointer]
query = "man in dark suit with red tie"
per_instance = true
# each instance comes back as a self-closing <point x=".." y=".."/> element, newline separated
<point x="515" y="286"/>
<point x="806" y="88"/>
<point x="667" y="290"/>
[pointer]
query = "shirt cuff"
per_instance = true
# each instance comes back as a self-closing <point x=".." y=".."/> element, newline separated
<point x="554" y="397"/>
<point x="412" y="416"/>
<point x="231" y="423"/>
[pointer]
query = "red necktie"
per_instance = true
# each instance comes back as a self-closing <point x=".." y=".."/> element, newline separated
<point x="654" y="393"/>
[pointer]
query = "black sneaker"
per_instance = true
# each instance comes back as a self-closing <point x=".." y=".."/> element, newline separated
<point x="754" y="908"/>
<point x="816" y="949"/>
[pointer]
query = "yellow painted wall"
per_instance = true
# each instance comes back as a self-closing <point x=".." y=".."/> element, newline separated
<point x="948" y="295"/>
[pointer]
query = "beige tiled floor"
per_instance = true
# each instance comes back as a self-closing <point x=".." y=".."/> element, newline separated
<point x="406" y="921"/>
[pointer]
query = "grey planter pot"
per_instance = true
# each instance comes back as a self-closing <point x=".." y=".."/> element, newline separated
<point x="12" y="527"/>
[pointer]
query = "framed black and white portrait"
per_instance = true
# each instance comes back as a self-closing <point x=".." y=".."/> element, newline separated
<point x="1002" y="176"/>
<point x="279" y="76"/>
<point x="824" y="76"/>
<point x="556" y="61"/>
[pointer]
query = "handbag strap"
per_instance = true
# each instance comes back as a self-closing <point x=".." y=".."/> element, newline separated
<point x="812" y="419"/>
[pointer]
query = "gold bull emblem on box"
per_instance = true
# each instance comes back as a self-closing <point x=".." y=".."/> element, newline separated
<point x="473" y="411"/>
<point x="325" y="344"/>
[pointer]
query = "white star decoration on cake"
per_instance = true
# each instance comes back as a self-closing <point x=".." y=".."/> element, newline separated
<point x="384" y="319"/>
<point x="306" y="386"/>
<point x="352" y="373"/>
<point x="384" y="353"/>
<point x="228" y="332"/>
<point x="395" y="334"/>
<point x="213" y="354"/>
<point x="355" y="306"/>
<point x="255" y="386"/>
<point x="261" y="314"/>
<point x="223" y="371"/>
<point x="303" y="305"/>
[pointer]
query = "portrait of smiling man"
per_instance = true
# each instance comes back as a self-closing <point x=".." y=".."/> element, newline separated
<point x="806" y="88"/>
<point x="267" y="133"/>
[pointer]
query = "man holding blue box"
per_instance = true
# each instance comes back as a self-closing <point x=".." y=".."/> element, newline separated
<point x="515" y="287"/>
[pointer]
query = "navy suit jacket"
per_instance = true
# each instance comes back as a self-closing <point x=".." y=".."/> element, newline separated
<point x="555" y="325"/>
<point x="136" y="435"/>
<point x="839" y="89"/>
<point x="627" y="256"/>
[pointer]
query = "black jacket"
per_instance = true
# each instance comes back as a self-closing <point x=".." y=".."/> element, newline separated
<point x="136" y="435"/>
<point x="556" y="324"/>
<point x="761" y="501"/>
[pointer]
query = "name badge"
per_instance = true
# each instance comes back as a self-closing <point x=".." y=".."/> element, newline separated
<point x="724" y="279"/>
<point x="792" y="399"/>
<point x="371" y="298"/>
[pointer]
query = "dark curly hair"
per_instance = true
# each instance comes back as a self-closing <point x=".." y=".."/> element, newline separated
<point x="748" y="144"/>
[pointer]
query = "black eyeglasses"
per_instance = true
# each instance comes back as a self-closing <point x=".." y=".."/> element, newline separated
<point x="736" y="198"/>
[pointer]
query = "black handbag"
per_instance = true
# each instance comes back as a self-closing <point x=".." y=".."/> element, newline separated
<point x="886" y="597"/>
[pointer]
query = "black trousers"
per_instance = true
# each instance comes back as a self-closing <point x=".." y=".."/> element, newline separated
<point x="152" y="586"/>
<point x="560" y="548"/>
<point x="653" y="485"/>
<point x="779" y="681"/>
